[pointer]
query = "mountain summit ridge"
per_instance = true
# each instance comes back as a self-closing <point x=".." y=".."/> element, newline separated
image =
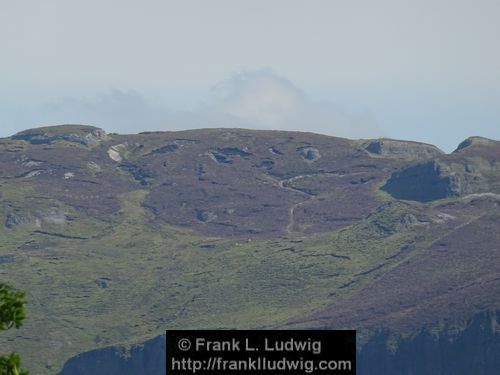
<point x="124" y="236"/>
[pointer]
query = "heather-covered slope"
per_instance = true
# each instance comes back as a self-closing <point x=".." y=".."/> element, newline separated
<point x="117" y="238"/>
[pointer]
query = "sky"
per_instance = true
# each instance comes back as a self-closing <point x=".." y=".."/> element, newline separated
<point x="425" y="70"/>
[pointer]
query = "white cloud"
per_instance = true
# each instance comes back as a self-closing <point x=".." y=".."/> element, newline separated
<point x="258" y="99"/>
<point x="264" y="100"/>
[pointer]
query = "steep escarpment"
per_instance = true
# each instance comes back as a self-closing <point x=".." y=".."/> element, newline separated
<point x="424" y="183"/>
<point x="473" y="168"/>
<point x="145" y="359"/>
<point x="469" y="348"/>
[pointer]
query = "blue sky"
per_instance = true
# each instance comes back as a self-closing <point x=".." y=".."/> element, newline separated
<point x="421" y="70"/>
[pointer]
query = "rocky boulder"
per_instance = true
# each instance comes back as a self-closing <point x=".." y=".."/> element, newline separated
<point x="82" y="134"/>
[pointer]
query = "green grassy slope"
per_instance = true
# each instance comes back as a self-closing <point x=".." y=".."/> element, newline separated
<point x="168" y="278"/>
<point x="110" y="255"/>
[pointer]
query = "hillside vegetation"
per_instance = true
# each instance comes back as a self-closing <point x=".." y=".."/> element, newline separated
<point x="117" y="238"/>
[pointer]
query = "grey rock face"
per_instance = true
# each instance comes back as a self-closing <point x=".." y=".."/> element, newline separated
<point x="424" y="182"/>
<point x="473" y="141"/>
<point x="406" y="149"/>
<point x="85" y="135"/>
<point x="14" y="220"/>
<point x="444" y="178"/>
<point x="309" y="153"/>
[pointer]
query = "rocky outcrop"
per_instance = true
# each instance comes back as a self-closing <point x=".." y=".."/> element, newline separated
<point x="205" y="216"/>
<point x="423" y="182"/>
<point x="476" y="141"/>
<point x="81" y="134"/>
<point x="142" y="175"/>
<point x="14" y="219"/>
<point x="309" y="153"/>
<point x="403" y="149"/>
<point x="473" y="168"/>
<point x="226" y="155"/>
<point x="165" y="149"/>
<point x="444" y="178"/>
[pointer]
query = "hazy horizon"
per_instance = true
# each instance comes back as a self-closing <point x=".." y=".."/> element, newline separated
<point x="425" y="71"/>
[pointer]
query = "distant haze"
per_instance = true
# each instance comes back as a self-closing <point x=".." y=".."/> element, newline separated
<point x="422" y="70"/>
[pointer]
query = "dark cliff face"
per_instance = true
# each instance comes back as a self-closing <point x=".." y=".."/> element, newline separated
<point x="472" y="350"/>
<point x="145" y="359"/>
<point x="471" y="169"/>
<point x="423" y="182"/>
<point x="475" y="350"/>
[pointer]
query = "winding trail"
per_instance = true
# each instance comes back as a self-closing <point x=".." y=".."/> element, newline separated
<point x="282" y="184"/>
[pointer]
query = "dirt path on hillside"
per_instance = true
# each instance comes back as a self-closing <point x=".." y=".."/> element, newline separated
<point x="282" y="184"/>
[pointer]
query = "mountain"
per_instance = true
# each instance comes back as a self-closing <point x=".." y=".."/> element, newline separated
<point x="119" y="237"/>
